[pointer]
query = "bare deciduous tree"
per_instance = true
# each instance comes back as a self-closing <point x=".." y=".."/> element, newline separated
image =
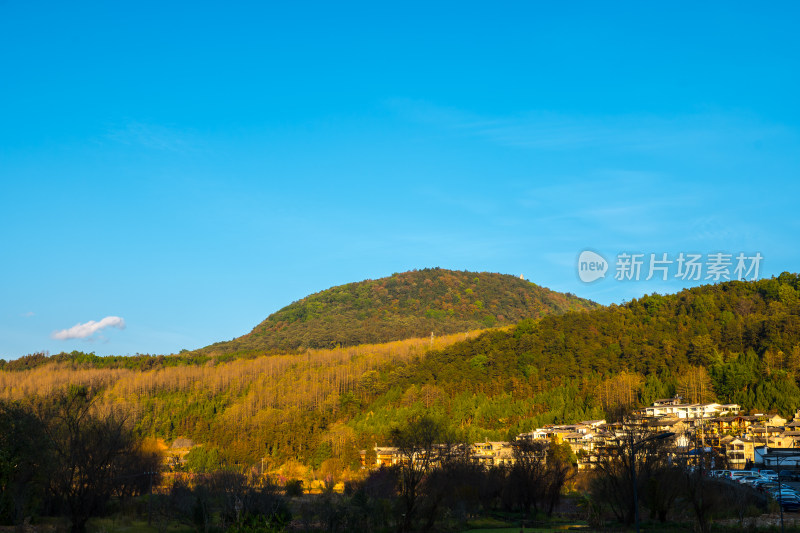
<point x="422" y="443"/>
<point x="92" y="453"/>
<point x="626" y="467"/>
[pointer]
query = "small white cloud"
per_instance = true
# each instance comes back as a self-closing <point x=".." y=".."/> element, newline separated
<point x="28" y="314"/>
<point x="82" y="331"/>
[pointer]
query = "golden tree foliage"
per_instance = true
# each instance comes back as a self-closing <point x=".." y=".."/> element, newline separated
<point x="695" y="385"/>
<point x="256" y="397"/>
<point x="620" y="390"/>
<point x="276" y="381"/>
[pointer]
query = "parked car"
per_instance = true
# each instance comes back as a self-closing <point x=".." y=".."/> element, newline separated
<point x="737" y="474"/>
<point x="790" y="504"/>
<point x="767" y="486"/>
<point x="749" y="480"/>
<point x="783" y="494"/>
<point x="769" y="474"/>
<point x="788" y="475"/>
<point x="759" y="483"/>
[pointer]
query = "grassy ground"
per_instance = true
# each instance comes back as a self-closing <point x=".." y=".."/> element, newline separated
<point x="763" y="524"/>
<point x="124" y="524"/>
<point x="526" y="530"/>
<point x="499" y="524"/>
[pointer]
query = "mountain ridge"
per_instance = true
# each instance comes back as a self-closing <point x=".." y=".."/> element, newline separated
<point x="404" y="305"/>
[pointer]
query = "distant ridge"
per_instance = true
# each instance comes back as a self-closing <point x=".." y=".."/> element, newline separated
<point x="403" y="305"/>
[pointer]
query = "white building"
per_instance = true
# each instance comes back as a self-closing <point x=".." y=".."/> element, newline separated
<point x="691" y="410"/>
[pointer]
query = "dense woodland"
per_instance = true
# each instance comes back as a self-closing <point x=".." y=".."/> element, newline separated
<point x="402" y="306"/>
<point x="64" y="454"/>
<point x="732" y="342"/>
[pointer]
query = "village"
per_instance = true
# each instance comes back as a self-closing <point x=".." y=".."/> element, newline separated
<point x="718" y="430"/>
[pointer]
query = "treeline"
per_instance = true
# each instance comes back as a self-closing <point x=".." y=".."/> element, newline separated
<point x="643" y="471"/>
<point x="436" y="486"/>
<point x="78" y="359"/>
<point x="404" y="305"/>
<point x="656" y="334"/>
<point x="63" y="454"/>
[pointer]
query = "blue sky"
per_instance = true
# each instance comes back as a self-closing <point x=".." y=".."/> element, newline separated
<point x="189" y="168"/>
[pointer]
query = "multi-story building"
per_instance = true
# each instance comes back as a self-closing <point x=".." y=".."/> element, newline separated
<point x="491" y="454"/>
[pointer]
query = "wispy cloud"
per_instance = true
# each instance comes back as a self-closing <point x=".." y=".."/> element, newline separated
<point x="545" y="130"/>
<point x="28" y="314"/>
<point x="83" y="331"/>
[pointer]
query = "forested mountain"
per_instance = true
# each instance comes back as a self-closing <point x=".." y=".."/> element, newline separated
<point x="734" y="341"/>
<point x="731" y="342"/>
<point x="402" y="306"/>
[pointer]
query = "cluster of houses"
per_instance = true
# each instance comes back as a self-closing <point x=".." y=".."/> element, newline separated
<point x="744" y="440"/>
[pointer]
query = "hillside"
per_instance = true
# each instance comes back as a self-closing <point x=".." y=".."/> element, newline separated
<point x="405" y="305"/>
<point x="733" y="342"/>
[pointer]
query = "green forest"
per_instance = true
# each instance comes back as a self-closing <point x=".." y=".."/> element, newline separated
<point x="402" y="306"/>
<point x="730" y="342"/>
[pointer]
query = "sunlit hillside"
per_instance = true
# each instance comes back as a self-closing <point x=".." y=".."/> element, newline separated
<point x="401" y="306"/>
